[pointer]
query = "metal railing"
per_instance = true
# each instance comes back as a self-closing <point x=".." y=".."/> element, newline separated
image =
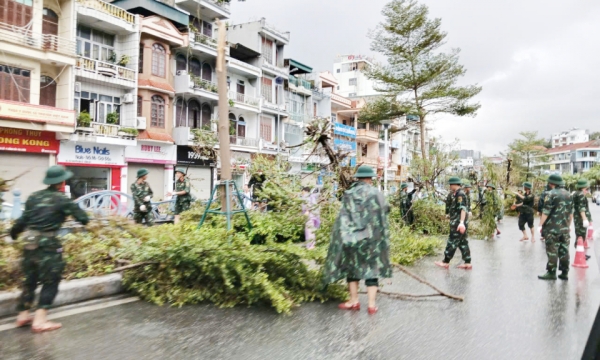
<point x="220" y="3"/>
<point x="243" y="64"/>
<point x="105" y="69"/>
<point x="106" y="129"/>
<point x="285" y="35"/>
<point x="243" y="141"/>
<point x="278" y="69"/>
<point x="205" y="40"/>
<point x="243" y="98"/>
<point x="109" y="9"/>
<point x="46" y="42"/>
<point x="199" y="83"/>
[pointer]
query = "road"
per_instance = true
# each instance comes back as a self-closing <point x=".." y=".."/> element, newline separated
<point x="507" y="314"/>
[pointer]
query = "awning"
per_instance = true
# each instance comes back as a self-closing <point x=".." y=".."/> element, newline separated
<point x="153" y="7"/>
<point x="155" y="136"/>
<point x="297" y="67"/>
<point x="241" y="52"/>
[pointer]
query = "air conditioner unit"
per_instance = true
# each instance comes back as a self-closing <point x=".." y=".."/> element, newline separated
<point x="77" y="87"/>
<point x="128" y="98"/>
<point x="141" y="123"/>
<point x="181" y="72"/>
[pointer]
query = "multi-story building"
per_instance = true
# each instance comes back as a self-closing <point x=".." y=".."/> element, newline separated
<point x="37" y="58"/>
<point x="573" y="136"/>
<point x="352" y="81"/>
<point x="571" y="159"/>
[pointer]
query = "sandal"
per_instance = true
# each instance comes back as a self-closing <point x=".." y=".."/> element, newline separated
<point x="372" y="310"/>
<point x="48" y="326"/>
<point x="346" y="306"/>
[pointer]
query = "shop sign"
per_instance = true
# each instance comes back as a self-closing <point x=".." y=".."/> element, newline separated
<point x="36" y="113"/>
<point x="344" y="145"/>
<point x="187" y="156"/>
<point x="153" y="154"/>
<point x="30" y="141"/>
<point x="83" y="153"/>
<point x="344" y="130"/>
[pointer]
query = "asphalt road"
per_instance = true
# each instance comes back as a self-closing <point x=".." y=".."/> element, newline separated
<point x="507" y="314"/>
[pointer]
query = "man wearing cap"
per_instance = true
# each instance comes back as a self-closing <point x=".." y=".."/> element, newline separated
<point x="458" y="227"/>
<point x="555" y="225"/>
<point x="541" y="203"/>
<point x="525" y="209"/>
<point x="581" y="210"/>
<point x="467" y="189"/>
<point x="182" y="191"/>
<point x="360" y="241"/>
<point x="142" y="196"/>
<point x="406" y="199"/>
<point x="45" y="212"/>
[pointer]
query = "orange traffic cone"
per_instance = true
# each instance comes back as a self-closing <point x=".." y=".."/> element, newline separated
<point x="580" y="255"/>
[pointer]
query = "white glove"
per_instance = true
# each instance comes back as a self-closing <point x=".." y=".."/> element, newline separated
<point x="586" y="223"/>
<point x="143" y="208"/>
<point x="461" y="228"/>
<point x="147" y="198"/>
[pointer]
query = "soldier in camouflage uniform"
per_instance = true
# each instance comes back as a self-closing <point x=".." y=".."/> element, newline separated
<point x="458" y="227"/>
<point x="491" y="210"/>
<point x="45" y="212"/>
<point x="182" y="191"/>
<point x="581" y="210"/>
<point x="142" y="197"/>
<point x="555" y="224"/>
<point x="406" y="199"/>
<point x="524" y="206"/>
<point x="467" y="189"/>
<point x="541" y="202"/>
<point x="360" y="241"/>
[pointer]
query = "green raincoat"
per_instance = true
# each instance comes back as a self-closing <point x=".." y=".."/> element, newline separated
<point x="360" y="240"/>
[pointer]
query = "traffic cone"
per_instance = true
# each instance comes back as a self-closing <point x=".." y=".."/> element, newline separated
<point x="590" y="233"/>
<point x="580" y="255"/>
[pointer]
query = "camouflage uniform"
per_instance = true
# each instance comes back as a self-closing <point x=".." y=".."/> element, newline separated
<point x="183" y="202"/>
<point x="360" y="240"/>
<point x="580" y="205"/>
<point x="45" y="212"/>
<point x="526" y="211"/>
<point x="456" y="239"/>
<point x="448" y="201"/>
<point x="139" y="192"/>
<point x="406" y="199"/>
<point x="542" y="199"/>
<point x="558" y="207"/>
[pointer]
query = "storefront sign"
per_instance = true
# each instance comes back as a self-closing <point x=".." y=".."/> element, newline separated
<point x="150" y="153"/>
<point x="344" y="145"/>
<point x="344" y="130"/>
<point x="187" y="156"/>
<point x="28" y="141"/>
<point x="36" y="113"/>
<point x="84" y="153"/>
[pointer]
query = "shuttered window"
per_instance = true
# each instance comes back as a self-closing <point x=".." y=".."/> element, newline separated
<point x="266" y="126"/>
<point x="47" y="91"/>
<point x="267" y="89"/>
<point x="158" y="112"/>
<point x="159" y="55"/>
<point x="139" y="106"/>
<point x="267" y="50"/>
<point x="14" y="83"/>
<point x="17" y="13"/>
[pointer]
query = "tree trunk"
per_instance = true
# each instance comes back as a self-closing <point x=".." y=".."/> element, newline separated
<point x="423" y="153"/>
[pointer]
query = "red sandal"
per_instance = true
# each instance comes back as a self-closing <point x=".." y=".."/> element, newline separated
<point x="345" y="306"/>
<point x="372" y="310"/>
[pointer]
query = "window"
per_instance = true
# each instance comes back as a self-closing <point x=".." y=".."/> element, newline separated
<point x="194" y="115"/>
<point x="266" y="124"/>
<point x="338" y="71"/>
<point x="206" y="72"/>
<point x="14" y="84"/>
<point x="207" y="28"/>
<point x="158" y="112"/>
<point x="49" y="27"/>
<point x="47" y="91"/>
<point x="195" y="67"/>
<point x="232" y="127"/>
<point x="352" y="81"/>
<point x="159" y="55"/>
<point x="180" y="63"/>
<point x="267" y="50"/>
<point x="593" y="154"/>
<point x="241" y="130"/>
<point x="267" y="89"/>
<point x="16" y="12"/>
<point x="206" y="114"/>
<point x="141" y="59"/>
<point x="105" y="106"/>
<point x="315" y="109"/>
<point x="139" y="106"/>
<point x="95" y="44"/>
<point x="351" y="94"/>
<point x="180" y="119"/>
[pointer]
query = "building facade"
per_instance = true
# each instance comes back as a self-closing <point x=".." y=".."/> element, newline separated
<point x="572" y="136"/>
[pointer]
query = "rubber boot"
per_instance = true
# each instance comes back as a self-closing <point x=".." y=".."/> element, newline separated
<point x="550" y="275"/>
<point x="564" y="275"/>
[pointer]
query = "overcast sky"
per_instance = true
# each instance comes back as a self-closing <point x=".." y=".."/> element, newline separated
<point x="537" y="60"/>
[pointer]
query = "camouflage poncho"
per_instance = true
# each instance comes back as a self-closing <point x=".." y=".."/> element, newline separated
<point x="360" y="244"/>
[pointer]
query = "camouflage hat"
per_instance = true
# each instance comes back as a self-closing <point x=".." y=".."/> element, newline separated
<point x="583" y="184"/>
<point x="403" y="186"/>
<point x="454" y="181"/>
<point x="365" y="171"/>
<point x="57" y="174"/>
<point x="142" y="172"/>
<point x="181" y="170"/>
<point x="556" y="179"/>
<point x="527" y="185"/>
<point x="490" y="185"/>
<point x="467" y="185"/>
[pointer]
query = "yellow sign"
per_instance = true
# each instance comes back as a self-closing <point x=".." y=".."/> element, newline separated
<point x="44" y="114"/>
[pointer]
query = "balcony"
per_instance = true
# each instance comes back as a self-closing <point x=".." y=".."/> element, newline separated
<point x="373" y="162"/>
<point x="241" y="68"/>
<point x="298" y="118"/>
<point x="243" y="142"/>
<point x="50" y="48"/>
<point x="102" y="133"/>
<point x="367" y="136"/>
<point x="245" y="102"/>
<point x="185" y="83"/>
<point x="106" y="16"/>
<point x="279" y="35"/>
<point x="275" y="109"/>
<point x="205" y="44"/>
<point x="45" y="118"/>
<point x="211" y="9"/>
<point x="102" y="72"/>
<point x="275" y="70"/>
<point x="299" y="85"/>
<point x="340" y="100"/>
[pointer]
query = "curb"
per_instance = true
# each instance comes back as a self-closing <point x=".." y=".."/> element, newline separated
<point x="69" y="292"/>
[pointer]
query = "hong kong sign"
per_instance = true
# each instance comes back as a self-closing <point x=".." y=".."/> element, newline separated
<point x="84" y="153"/>
<point x="28" y="141"/>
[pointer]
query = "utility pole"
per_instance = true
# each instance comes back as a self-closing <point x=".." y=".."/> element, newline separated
<point x="223" y="127"/>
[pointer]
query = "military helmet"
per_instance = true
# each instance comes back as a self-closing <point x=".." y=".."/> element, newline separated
<point x="527" y="185"/>
<point x="142" y="172"/>
<point x="403" y="186"/>
<point x="467" y="185"/>
<point x="556" y="179"/>
<point x="490" y="185"/>
<point x="454" y="181"/>
<point x="365" y="171"/>
<point x="57" y="174"/>
<point x="181" y="170"/>
<point x="583" y="184"/>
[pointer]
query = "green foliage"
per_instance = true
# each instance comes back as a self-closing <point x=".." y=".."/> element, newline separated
<point x="406" y="246"/>
<point x="430" y="217"/>
<point x="130" y="131"/>
<point x="428" y="170"/>
<point x="84" y="119"/>
<point x="112" y="118"/>
<point x="525" y="152"/>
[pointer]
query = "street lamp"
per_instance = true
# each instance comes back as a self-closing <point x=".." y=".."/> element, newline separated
<point x="386" y="124"/>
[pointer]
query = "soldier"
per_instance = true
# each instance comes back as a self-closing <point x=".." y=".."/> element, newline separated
<point x="142" y="196"/>
<point x="467" y="189"/>
<point x="458" y="227"/>
<point x="45" y="212"/>
<point x="182" y="191"/>
<point x="581" y="210"/>
<point x="491" y="210"/>
<point x="406" y="199"/>
<point x="541" y="202"/>
<point x="256" y="183"/>
<point x="555" y="224"/>
<point x="524" y="206"/>
<point x="481" y="199"/>
<point x="360" y="241"/>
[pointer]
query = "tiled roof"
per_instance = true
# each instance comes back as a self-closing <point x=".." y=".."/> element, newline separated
<point x="585" y="145"/>
<point x="156" y="84"/>
<point x="153" y="135"/>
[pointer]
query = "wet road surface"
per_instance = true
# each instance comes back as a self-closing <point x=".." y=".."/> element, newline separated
<point x="507" y="314"/>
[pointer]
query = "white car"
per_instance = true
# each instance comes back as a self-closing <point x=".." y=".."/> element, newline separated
<point x="595" y="196"/>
